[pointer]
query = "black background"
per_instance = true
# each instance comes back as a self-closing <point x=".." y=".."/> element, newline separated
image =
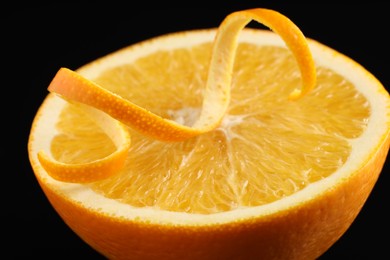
<point x="39" y="39"/>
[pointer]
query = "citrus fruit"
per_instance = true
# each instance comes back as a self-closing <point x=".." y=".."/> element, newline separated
<point x="269" y="175"/>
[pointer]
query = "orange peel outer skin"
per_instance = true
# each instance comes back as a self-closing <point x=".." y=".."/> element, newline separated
<point x="84" y="173"/>
<point x="285" y="28"/>
<point x="75" y="87"/>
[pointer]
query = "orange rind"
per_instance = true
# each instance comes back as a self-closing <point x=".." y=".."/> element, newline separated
<point x="71" y="85"/>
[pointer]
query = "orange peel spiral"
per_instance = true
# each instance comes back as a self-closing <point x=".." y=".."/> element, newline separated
<point x="112" y="111"/>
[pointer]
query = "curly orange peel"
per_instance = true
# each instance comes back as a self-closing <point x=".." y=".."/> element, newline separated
<point x="74" y="87"/>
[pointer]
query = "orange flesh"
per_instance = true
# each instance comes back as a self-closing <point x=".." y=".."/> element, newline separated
<point x="234" y="165"/>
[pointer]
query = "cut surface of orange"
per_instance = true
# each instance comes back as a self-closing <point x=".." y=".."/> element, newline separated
<point x="275" y="179"/>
